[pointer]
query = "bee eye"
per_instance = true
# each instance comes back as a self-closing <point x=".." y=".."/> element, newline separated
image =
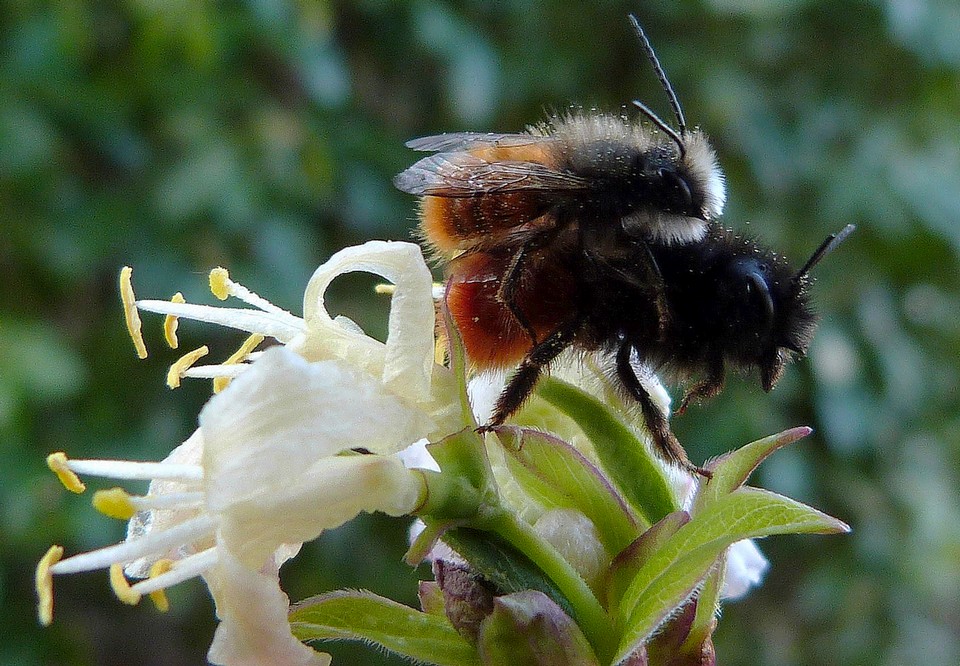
<point x="757" y="286"/>
<point x="680" y="193"/>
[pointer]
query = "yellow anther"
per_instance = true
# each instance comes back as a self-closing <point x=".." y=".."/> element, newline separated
<point x="130" y="312"/>
<point x="159" y="597"/>
<point x="43" y="580"/>
<point x="57" y="462"/>
<point x="114" y="503"/>
<point x="121" y="587"/>
<point x="219" y="283"/>
<point x="175" y="373"/>
<point x="220" y="383"/>
<point x="170" y="323"/>
<point x="385" y="289"/>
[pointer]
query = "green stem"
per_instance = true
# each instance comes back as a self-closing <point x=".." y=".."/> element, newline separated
<point x="590" y="615"/>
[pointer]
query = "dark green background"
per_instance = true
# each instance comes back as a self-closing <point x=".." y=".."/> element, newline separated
<point x="175" y="136"/>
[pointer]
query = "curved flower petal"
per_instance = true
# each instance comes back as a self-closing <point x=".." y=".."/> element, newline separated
<point x="405" y="362"/>
<point x="253" y="629"/>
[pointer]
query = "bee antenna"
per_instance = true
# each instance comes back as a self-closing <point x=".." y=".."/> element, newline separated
<point x="829" y="244"/>
<point x="662" y="76"/>
<point x="665" y="128"/>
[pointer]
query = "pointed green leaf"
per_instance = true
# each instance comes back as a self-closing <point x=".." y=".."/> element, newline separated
<point x="699" y="639"/>
<point x="628" y="463"/>
<point x="675" y="571"/>
<point x="731" y="470"/>
<point x="367" y="617"/>
<point x="625" y="566"/>
<point x="529" y="628"/>
<point x="561" y="477"/>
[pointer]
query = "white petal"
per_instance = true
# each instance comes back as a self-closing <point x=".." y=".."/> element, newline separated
<point x="746" y="566"/>
<point x="284" y="414"/>
<point x="253" y="628"/>
<point x="416" y="456"/>
<point x="407" y="360"/>
<point x="324" y="496"/>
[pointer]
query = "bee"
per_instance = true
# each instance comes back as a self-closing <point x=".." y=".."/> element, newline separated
<point x="599" y="232"/>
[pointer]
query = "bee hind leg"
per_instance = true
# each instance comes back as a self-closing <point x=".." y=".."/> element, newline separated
<point x="524" y="379"/>
<point x="507" y="292"/>
<point x="664" y="440"/>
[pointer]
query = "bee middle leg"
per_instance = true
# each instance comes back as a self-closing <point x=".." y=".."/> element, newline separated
<point x="663" y="438"/>
<point x="708" y="388"/>
<point x="525" y="378"/>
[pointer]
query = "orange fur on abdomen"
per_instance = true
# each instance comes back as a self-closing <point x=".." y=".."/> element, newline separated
<point x="450" y="224"/>
<point x="492" y="337"/>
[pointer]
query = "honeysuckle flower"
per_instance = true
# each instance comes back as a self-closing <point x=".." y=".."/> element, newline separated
<point x="272" y="463"/>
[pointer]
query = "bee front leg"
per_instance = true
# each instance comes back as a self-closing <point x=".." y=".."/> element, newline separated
<point x="708" y="388"/>
<point x="663" y="438"/>
<point x="523" y="381"/>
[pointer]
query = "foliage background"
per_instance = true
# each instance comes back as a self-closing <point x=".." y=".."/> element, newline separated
<point x="262" y="135"/>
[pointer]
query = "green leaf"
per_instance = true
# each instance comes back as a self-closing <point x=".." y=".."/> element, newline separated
<point x="624" y="567"/>
<point x="367" y="617"/>
<point x="529" y="628"/>
<point x="675" y="571"/>
<point x="624" y="458"/>
<point x="731" y="470"/>
<point x="561" y="477"/>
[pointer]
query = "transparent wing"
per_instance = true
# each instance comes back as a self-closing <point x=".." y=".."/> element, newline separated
<point x="461" y="174"/>
<point x="453" y="141"/>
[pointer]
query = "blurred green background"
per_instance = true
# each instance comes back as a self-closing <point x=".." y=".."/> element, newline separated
<point x="178" y="135"/>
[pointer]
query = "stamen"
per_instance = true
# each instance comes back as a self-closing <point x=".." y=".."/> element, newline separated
<point x="175" y="373"/>
<point x="121" y="587"/>
<point x="215" y="371"/>
<point x="114" y="503"/>
<point x="159" y="597"/>
<point x="43" y="581"/>
<point x="185" y="569"/>
<point x="280" y="325"/>
<point x="222" y="286"/>
<point x="220" y="383"/>
<point x="130" y="313"/>
<point x="385" y="289"/>
<point x="127" y="551"/>
<point x="219" y="277"/>
<point x="171" y="322"/>
<point x="118" y="503"/>
<point x="137" y="471"/>
<point x="59" y="465"/>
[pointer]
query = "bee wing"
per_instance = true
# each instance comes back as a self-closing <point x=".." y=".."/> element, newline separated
<point x="453" y="141"/>
<point x="461" y="174"/>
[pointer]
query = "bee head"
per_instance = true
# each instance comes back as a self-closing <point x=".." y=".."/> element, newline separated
<point x="685" y="182"/>
<point x="783" y="318"/>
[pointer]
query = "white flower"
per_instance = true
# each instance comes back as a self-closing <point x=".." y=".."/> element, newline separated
<point x="746" y="566"/>
<point x="273" y="463"/>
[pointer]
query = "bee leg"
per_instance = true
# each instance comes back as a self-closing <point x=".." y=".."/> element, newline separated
<point x="506" y="294"/>
<point x="708" y="388"/>
<point x="522" y="382"/>
<point x="663" y="439"/>
<point x="659" y="292"/>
